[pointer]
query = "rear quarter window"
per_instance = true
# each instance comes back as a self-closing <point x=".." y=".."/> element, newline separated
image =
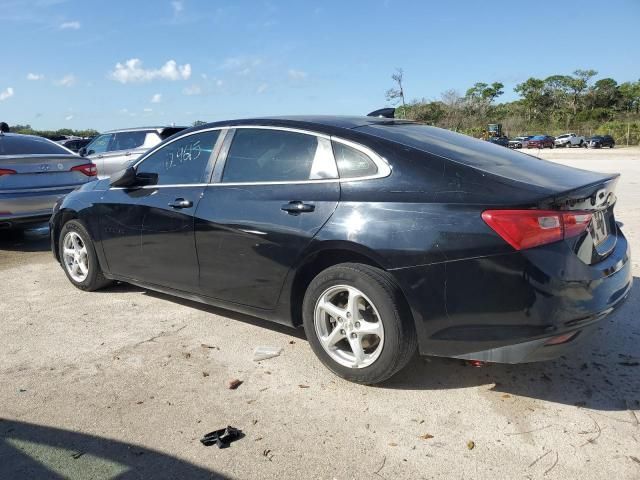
<point x="28" y="145"/>
<point x="353" y="163"/>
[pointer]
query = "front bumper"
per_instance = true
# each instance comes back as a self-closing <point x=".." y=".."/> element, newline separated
<point x="504" y="308"/>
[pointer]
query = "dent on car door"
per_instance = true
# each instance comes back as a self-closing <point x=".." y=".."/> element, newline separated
<point x="147" y="230"/>
<point x="277" y="189"/>
<point x="167" y="246"/>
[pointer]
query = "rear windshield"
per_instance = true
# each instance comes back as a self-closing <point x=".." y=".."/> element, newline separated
<point x="483" y="155"/>
<point x="28" y="145"/>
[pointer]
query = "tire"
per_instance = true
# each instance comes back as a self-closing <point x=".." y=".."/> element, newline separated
<point x="93" y="279"/>
<point x="387" y="310"/>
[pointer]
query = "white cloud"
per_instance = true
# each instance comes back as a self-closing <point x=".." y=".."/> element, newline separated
<point x="192" y="90"/>
<point x="35" y="76"/>
<point x="75" y="25"/>
<point x="219" y="83"/>
<point x="6" y="93"/>
<point x="157" y="98"/>
<point x="262" y="88"/>
<point x="67" y="81"/>
<point x="132" y="71"/>
<point x="148" y="110"/>
<point x="241" y="65"/>
<point x="177" y="6"/>
<point x="68" y="117"/>
<point x="297" y="74"/>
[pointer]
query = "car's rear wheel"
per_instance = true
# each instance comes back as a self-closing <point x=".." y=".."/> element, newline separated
<point x="78" y="257"/>
<point x="358" y="324"/>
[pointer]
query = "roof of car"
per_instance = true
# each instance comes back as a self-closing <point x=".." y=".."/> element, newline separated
<point x="141" y="129"/>
<point x="319" y="123"/>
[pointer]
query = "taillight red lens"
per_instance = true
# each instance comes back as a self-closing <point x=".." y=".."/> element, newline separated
<point x="6" y="171"/>
<point x="531" y="228"/>
<point x="89" y="169"/>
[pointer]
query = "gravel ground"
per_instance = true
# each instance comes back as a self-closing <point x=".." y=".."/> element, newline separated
<point x="123" y="383"/>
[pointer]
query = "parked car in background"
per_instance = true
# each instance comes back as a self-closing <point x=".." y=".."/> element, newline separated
<point x="519" y="142"/>
<point x="600" y="141"/>
<point x="570" y="140"/>
<point x="75" y="144"/>
<point x="34" y="174"/>
<point x="114" y="150"/>
<point x="502" y="141"/>
<point x="381" y="237"/>
<point x="541" y="141"/>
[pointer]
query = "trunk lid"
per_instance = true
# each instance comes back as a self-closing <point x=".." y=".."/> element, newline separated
<point x="599" y="199"/>
<point x="39" y="172"/>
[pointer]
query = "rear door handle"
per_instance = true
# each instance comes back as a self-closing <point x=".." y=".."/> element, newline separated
<point x="297" y="207"/>
<point x="181" y="203"/>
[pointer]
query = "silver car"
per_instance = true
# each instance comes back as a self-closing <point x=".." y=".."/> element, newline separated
<point x="34" y="174"/>
<point x="115" y="150"/>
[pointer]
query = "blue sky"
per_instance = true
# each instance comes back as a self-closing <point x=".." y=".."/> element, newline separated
<point x="104" y="65"/>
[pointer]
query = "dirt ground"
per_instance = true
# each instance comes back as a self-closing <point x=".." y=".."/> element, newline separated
<point x="124" y="382"/>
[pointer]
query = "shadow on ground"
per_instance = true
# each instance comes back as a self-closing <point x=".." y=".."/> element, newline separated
<point x="35" y="451"/>
<point x="34" y="239"/>
<point x="603" y="373"/>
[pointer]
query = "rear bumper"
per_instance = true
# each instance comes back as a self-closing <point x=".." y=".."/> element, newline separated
<point x="505" y="308"/>
<point x="29" y="207"/>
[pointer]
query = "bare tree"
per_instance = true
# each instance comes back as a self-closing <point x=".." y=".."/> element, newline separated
<point x="393" y="94"/>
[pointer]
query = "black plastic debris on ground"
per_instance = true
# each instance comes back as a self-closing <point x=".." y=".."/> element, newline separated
<point x="222" y="438"/>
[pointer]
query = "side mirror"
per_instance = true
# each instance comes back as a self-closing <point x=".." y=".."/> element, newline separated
<point x="130" y="178"/>
<point x="83" y="152"/>
<point x="123" y="178"/>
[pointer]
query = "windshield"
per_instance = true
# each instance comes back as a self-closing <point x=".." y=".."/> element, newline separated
<point x="538" y="137"/>
<point x="29" y="145"/>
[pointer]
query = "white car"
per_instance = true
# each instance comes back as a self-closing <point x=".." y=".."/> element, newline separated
<point x="114" y="150"/>
<point x="570" y="140"/>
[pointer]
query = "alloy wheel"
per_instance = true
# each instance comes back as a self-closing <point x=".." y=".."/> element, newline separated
<point x="75" y="258"/>
<point x="348" y="326"/>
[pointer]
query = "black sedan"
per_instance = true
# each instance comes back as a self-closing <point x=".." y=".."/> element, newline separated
<point x="600" y="141"/>
<point x="382" y="237"/>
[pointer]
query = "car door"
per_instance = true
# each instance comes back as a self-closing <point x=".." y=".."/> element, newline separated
<point x="96" y="150"/>
<point x="167" y="247"/>
<point x="268" y="198"/>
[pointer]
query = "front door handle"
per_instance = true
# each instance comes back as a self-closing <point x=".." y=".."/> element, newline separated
<point x="181" y="203"/>
<point x="297" y="207"/>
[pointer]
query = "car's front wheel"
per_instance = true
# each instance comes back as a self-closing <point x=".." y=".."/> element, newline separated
<point x="358" y="324"/>
<point x="78" y="257"/>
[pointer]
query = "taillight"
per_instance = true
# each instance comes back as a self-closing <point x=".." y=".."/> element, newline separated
<point x="6" y="171"/>
<point x="530" y="228"/>
<point x="89" y="169"/>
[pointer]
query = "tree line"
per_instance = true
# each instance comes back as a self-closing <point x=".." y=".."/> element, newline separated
<point x="557" y="104"/>
<point x="53" y="134"/>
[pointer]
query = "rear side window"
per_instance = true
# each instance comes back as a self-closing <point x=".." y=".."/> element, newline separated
<point x="28" y="145"/>
<point x="182" y="161"/>
<point x="128" y="140"/>
<point x="353" y="163"/>
<point x="265" y="155"/>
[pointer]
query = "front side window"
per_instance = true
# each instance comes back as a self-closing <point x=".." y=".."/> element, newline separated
<point x="128" y="140"/>
<point x="266" y="155"/>
<point x="353" y="163"/>
<point x="182" y="161"/>
<point x="100" y="144"/>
